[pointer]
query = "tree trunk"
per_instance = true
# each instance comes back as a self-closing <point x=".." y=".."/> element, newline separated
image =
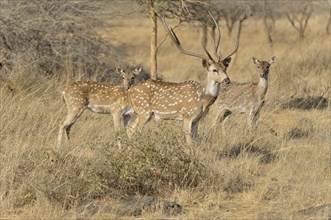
<point x="266" y="27"/>
<point x="328" y="24"/>
<point x="229" y="25"/>
<point x="304" y="15"/>
<point x="267" y="30"/>
<point x="153" y="42"/>
<point x="238" y="38"/>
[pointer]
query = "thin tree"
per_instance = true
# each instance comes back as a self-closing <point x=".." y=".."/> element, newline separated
<point x="328" y="24"/>
<point x="179" y="9"/>
<point x="299" y="15"/>
<point x="265" y="22"/>
<point x="153" y="41"/>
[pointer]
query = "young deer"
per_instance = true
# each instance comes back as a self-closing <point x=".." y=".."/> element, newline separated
<point x="187" y="101"/>
<point x="99" y="98"/>
<point x="245" y="97"/>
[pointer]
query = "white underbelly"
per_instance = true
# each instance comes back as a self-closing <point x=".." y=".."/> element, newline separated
<point x="100" y="108"/>
<point x="239" y="110"/>
<point x="171" y="115"/>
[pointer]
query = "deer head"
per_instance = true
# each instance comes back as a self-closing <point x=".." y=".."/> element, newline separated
<point x="128" y="77"/>
<point x="263" y="66"/>
<point x="216" y="68"/>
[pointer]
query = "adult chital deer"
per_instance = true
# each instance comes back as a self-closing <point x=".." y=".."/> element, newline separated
<point x="245" y="97"/>
<point x="187" y="101"/>
<point x="99" y="98"/>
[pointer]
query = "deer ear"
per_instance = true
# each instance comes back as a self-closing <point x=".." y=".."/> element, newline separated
<point x="226" y="62"/>
<point x="137" y="70"/>
<point x="205" y="63"/>
<point x="272" y="60"/>
<point x="255" y="61"/>
<point x="119" y="71"/>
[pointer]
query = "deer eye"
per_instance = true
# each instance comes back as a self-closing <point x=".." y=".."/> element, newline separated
<point x="215" y="70"/>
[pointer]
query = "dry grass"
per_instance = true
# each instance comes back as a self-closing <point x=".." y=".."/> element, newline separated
<point x="237" y="176"/>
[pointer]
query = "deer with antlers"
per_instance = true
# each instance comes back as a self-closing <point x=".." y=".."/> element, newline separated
<point x="187" y="101"/>
<point x="99" y="98"/>
<point x="245" y="97"/>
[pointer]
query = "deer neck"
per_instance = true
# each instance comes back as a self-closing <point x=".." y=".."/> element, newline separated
<point x="210" y="93"/>
<point x="212" y="88"/>
<point x="262" y="87"/>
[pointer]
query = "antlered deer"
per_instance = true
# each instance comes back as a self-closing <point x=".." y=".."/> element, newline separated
<point x="245" y="97"/>
<point x="99" y="98"/>
<point x="187" y="101"/>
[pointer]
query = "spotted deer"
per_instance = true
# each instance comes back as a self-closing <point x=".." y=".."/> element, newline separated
<point x="245" y="97"/>
<point x="98" y="98"/>
<point x="186" y="101"/>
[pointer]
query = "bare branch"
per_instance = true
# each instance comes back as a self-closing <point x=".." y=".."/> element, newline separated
<point x="291" y="19"/>
<point x="166" y="36"/>
<point x="176" y="41"/>
<point x="238" y="35"/>
<point x="299" y="16"/>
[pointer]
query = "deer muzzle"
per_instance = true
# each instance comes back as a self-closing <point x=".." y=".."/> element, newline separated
<point x="226" y="80"/>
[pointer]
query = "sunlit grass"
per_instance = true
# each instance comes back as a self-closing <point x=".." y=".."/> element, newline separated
<point x="236" y="175"/>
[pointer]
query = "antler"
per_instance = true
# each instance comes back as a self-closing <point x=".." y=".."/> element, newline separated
<point x="238" y="36"/>
<point x="178" y="45"/>
<point x="205" y="49"/>
<point x="216" y="45"/>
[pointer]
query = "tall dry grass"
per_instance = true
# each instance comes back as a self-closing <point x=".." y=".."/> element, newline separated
<point x="239" y="175"/>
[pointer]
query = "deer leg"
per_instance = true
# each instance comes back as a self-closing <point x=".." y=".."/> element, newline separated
<point x="188" y="132"/>
<point x="143" y="119"/>
<point x="222" y="114"/>
<point x="71" y="121"/>
<point x="225" y="115"/>
<point x="126" y="120"/>
<point x="66" y="125"/>
<point x="256" y="119"/>
<point x="139" y="123"/>
<point x="194" y="132"/>
<point x="132" y="127"/>
<point x="68" y="128"/>
<point x="226" y="118"/>
<point x="252" y="119"/>
<point x="59" y="137"/>
<point x="218" y="119"/>
<point x="117" y="117"/>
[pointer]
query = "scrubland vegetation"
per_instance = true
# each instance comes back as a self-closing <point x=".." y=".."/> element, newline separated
<point x="280" y="171"/>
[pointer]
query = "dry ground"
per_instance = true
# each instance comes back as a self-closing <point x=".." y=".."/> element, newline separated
<point x="241" y="175"/>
